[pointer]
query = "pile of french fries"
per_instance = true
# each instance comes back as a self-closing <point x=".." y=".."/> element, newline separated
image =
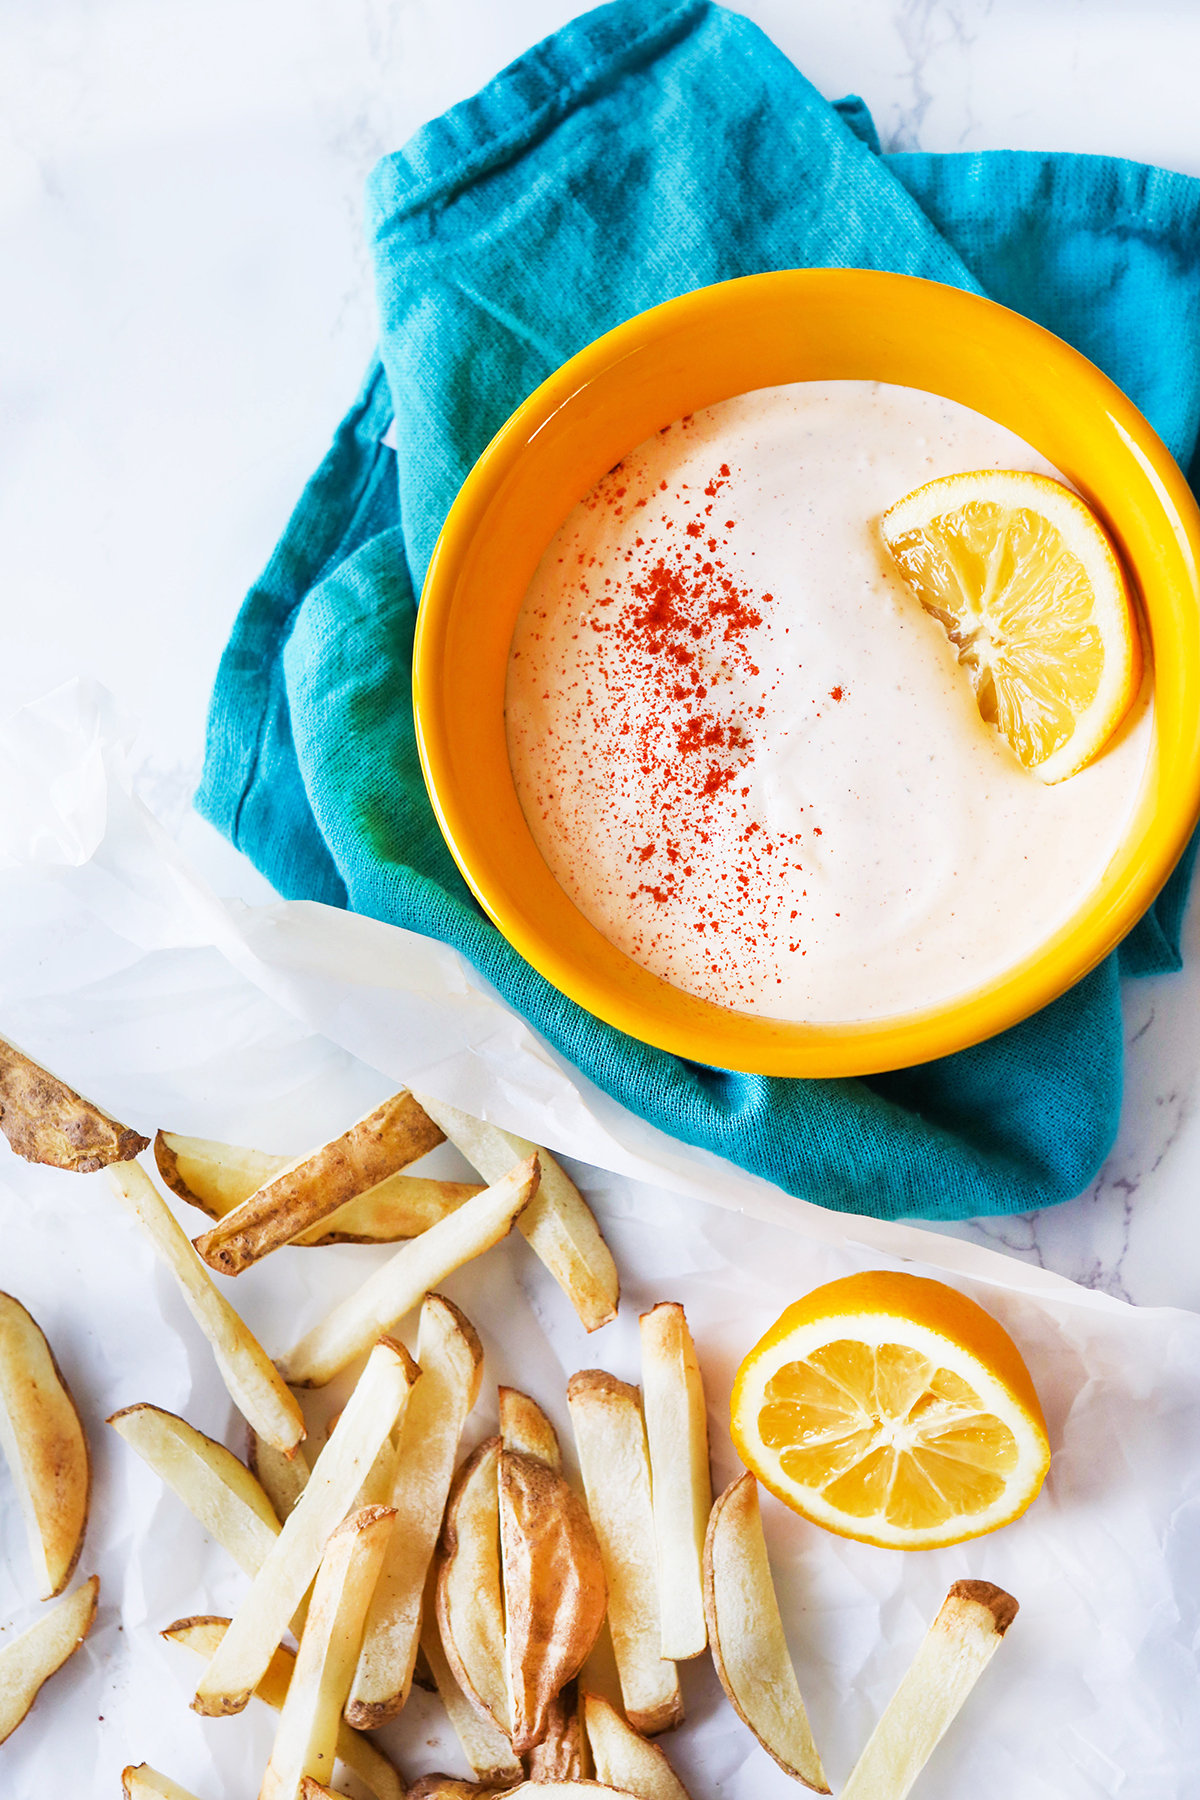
<point x="550" y="1617"/>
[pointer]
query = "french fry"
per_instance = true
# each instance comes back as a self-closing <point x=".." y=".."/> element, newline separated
<point x="383" y="1141"/>
<point x="567" y="1790"/>
<point x="217" y="1177"/>
<point x="681" y="1485"/>
<point x="313" y="1790"/>
<point x="447" y="1787"/>
<point x="562" y="1754"/>
<point x="610" y="1436"/>
<point x="745" y="1634"/>
<point x="213" y="1485"/>
<point x="44" y="1444"/>
<point x="255" y="1385"/>
<point x="243" y="1654"/>
<point x="30" y="1660"/>
<point x="483" y="1744"/>
<point x="625" y="1759"/>
<point x="470" y="1597"/>
<point x="392" y="1291"/>
<point x="46" y="1121"/>
<point x="554" y="1589"/>
<point x="141" y="1782"/>
<point x="559" y="1227"/>
<point x="451" y="1360"/>
<point x="957" y="1649"/>
<point x="283" y="1478"/>
<point x="202" y="1635"/>
<point x="525" y="1427"/>
<point x="306" y="1741"/>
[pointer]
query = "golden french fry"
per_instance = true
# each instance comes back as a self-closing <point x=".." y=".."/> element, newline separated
<point x="218" y="1489"/>
<point x="681" y="1485"/>
<point x="392" y="1291"/>
<point x="483" y="1744"/>
<point x="745" y="1634"/>
<point x="313" y="1790"/>
<point x="29" y="1661"/>
<point x="46" y="1121"/>
<point x="559" y="1227"/>
<point x="566" y="1790"/>
<point x="44" y="1444"/>
<point x="957" y="1649"/>
<point x="246" y="1649"/>
<point x="554" y="1589"/>
<point x="451" y="1361"/>
<point x="525" y="1427"/>
<point x="383" y="1141"/>
<point x="610" y="1435"/>
<point x="202" y="1635"/>
<point x="447" y="1787"/>
<point x="211" y="1176"/>
<point x="141" y="1782"/>
<point x="283" y="1478"/>
<point x="306" y="1741"/>
<point x="470" y="1597"/>
<point x="255" y="1385"/>
<point x="624" y="1758"/>
<point x="562" y="1754"/>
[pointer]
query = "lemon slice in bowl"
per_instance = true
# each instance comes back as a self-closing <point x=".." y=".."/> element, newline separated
<point x="892" y="1409"/>
<point x="1031" y="594"/>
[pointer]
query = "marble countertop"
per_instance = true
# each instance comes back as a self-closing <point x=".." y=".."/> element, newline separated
<point x="187" y="310"/>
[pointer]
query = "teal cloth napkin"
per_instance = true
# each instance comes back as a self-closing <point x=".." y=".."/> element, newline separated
<point x="652" y="147"/>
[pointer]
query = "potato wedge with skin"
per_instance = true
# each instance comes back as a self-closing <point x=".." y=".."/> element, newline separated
<point x="144" y="1783"/>
<point x="282" y="1478"/>
<point x="554" y="1589"/>
<point x="417" y="1267"/>
<point x="255" y="1385"/>
<point x="745" y="1634"/>
<point x="525" y="1427"/>
<point x="447" y="1787"/>
<point x="202" y="1635"/>
<point x="680" y="1481"/>
<point x="483" y="1744"/>
<point x="306" y="1741"/>
<point x="46" y="1121"/>
<point x="29" y="1661"/>
<point x="213" y="1485"/>
<point x="562" y="1755"/>
<point x="245" y="1650"/>
<point x="44" y="1443"/>
<point x="313" y="1790"/>
<point x="610" y="1436"/>
<point x="470" y="1596"/>
<point x="957" y="1649"/>
<point x="566" y="1790"/>
<point x="211" y="1176"/>
<point x="382" y="1142"/>
<point x="560" y="1227"/>
<point x="451" y="1359"/>
<point x="623" y="1758"/>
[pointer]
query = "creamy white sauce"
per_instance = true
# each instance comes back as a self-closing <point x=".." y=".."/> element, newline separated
<point x="746" y="752"/>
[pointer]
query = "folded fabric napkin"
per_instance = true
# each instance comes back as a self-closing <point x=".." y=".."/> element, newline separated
<point x="652" y="147"/>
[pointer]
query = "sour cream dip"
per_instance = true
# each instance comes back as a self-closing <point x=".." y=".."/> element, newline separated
<point x="747" y="753"/>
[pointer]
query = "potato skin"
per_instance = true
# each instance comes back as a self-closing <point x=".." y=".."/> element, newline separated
<point x="46" y="1121"/>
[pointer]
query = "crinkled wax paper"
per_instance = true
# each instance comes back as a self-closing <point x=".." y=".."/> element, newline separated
<point x="273" y="1026"/>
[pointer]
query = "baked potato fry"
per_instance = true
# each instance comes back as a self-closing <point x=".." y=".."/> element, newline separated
<point x="29" y="1661"/>
<point x="202" y="1635"/>
<point x="43" y="1440"/>
<point x="470" y="1595"/>
<point x="213" y="1485"/>
<point x="211" y="1176"/>
<point x="306" y="1741"/>
<point x="610" y="1435"/>
<point x="46" y="1121"/>
<point x="562" y="1754"/>
<point x="313" y="1790"/>
<point x="745" y="1634"/>
<point x="623" y="1758"/>
<point x="680" y="1482"/>
<point x="450" y="1356"/>
<point x="559" y="1226"/>
<point x="383" y="1141"/>
<point x="255" y="1385"/>
<point x="525" y="1427"/>
<point x="957" y="1649"/>
<point x="554" y="1589"/>
<point x="282" y="1478"/>
<point x="141" y="1782"/>
<point x="246" y="1649"/>
<point x="417" y="1267"/>
<point x="483" y="1744"/>
<point x="447" y="1787"/>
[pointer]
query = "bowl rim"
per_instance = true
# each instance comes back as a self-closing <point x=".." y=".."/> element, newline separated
<point x="716" y="1036"/>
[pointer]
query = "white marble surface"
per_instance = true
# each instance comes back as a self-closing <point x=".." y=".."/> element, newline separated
<point x="186" y="310"/>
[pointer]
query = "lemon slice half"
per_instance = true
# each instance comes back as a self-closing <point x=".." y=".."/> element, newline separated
<point x="892" y="1409"/>
<point x="1031" y="594"/>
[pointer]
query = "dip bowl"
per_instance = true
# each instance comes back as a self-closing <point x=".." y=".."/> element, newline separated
<point x="764" y="330"/>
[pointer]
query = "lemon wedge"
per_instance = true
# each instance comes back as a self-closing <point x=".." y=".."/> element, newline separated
<point x="1031" y="594"/>
<point x="892" y="1409"/>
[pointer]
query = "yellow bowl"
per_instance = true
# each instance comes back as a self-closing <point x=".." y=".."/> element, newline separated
<point x="798" y="325"/>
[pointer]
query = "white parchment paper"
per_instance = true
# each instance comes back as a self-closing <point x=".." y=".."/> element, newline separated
<point x="273" y="1026"/>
